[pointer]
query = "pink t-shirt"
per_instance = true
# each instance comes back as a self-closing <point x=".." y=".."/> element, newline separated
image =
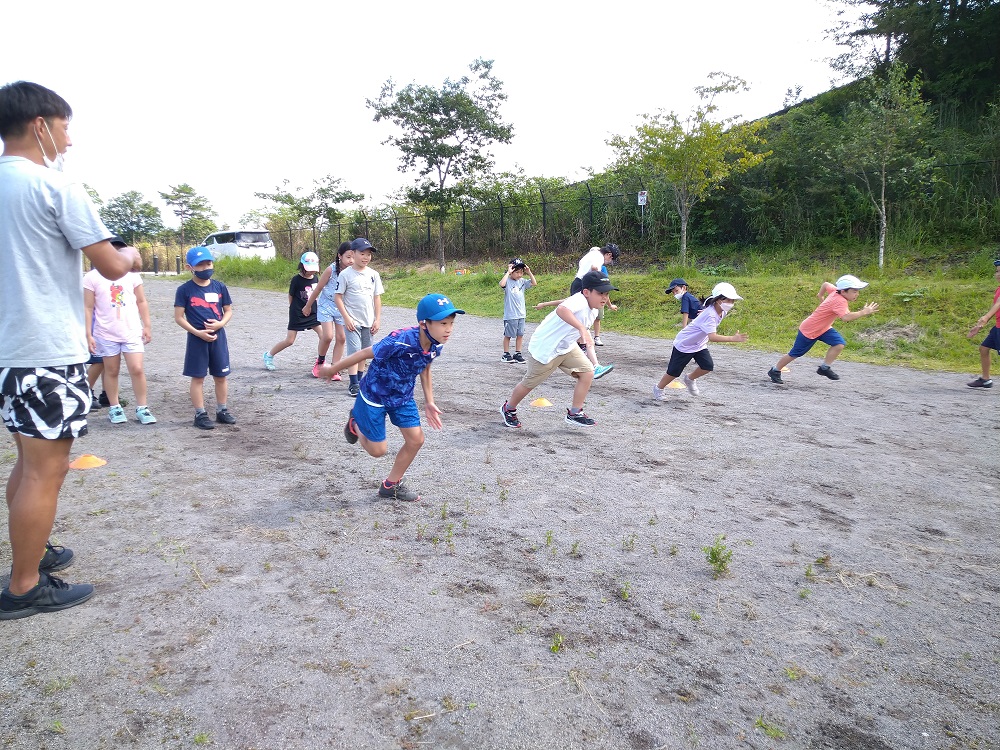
<point x="821" y="321"/>
<point x="116" y="313"/>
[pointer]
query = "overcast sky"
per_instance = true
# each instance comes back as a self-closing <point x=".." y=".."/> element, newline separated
<point x="233" y="98"/>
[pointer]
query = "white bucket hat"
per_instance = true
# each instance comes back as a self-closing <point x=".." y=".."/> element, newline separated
<point x="850" y="282"/>
<point x="724" y="289"/>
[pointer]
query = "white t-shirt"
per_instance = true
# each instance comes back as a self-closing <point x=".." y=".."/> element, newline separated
<point x="554" y="336"/>
<point x="359" y="289"/>
<point x="46" y="217"/>
<point x="593" y="258"/>
<point x="116" y="311"/>
<point x="694" y="336"/>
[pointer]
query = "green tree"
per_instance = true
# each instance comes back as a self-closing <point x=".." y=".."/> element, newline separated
<point x="886" y="143"/>
<point x="193" y="210"/>
<point x="446" y="133"/>
<point x="695" y="155"/>
<point x="131" y="217"/>
<point x="321" y="204"/>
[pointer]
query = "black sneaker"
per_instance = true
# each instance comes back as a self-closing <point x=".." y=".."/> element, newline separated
<point x="980" y="383"/>
<point x="349" y="434"/>
<point x="224" y="417"/>
<point x="398" y="492"/>
<point x="579" y="419"/>
<point x="505" y="357"/>
<point x="827" y="372"/>
<point x="95" y="404"/>
<point x="775" y="376"/>
<point x="509" y="416"/>
<point x="50" y="595"/>
<point x="103" y="399"/>
<point x="519" y="358"/>
<point x="353" y="390"/>
<point x="203" y="422"/>
<point x="55" y="558"/>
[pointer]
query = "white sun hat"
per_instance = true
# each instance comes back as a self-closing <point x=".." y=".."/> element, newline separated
<point x="850" y="282"/>
<point x="724" y="289"/>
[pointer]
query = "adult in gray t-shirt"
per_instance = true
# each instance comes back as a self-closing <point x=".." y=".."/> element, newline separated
<point x="46" y="219"/>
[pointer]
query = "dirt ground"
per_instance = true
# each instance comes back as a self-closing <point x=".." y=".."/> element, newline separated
<point x="550" y="590"/>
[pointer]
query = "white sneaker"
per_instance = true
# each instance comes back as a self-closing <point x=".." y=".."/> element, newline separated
<point x="690" y="385"/>
<point x="597" y="341"/>
<point x="657" y="393"/>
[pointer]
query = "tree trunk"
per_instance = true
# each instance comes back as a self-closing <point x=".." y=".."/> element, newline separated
<point x="441" y="243"/>
<point x="684" y="236"/>
<point x="883" y="215"/>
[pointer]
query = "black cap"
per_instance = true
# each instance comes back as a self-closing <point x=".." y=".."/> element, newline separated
<point x="518" y="263"/>
<point x="996" y="263"/>
<point x="613" y="249"/>
<point x="360" y="243"/>
<point x="598" y="282"/>
<point x="674" y="284"/>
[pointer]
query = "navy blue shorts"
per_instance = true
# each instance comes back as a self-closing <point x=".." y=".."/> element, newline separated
<point x="992" y="340"/>
<point x="679" y="360"/>
<point x="803" y="343"/>
<point x="204" y="357"/>
<point x="370" y="419"/>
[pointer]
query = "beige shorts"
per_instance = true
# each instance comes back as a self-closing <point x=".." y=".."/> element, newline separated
<point x="572" y="361"/>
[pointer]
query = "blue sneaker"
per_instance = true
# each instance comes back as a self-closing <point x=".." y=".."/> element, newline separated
<point x="116" y="414"/>
<point x="144" y="415"/>
<point x="269" y="361"/>
<point x="601" y="370"/>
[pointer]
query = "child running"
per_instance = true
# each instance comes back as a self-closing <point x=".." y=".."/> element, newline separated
<point x="331" y="322"/>
<point x="387" y="389"/>
<point x="692" y="341"/>
<point x="299" y="293"/>
<point x="359" y="299"/>
<point x="514" y="285"/>
<point x="554" y="344"/>
<point x="819" y="325"/>
<point x="992" y="341"/>
<point x="118" y="324"/>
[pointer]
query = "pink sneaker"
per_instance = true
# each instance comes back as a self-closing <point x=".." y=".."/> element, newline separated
<point x="316" y="369"/>
<point x="336" y="376"/>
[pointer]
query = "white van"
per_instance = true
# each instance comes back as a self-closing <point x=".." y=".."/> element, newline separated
<point x="241" y="243"/>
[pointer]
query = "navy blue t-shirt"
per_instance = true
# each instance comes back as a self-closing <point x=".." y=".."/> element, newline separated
<point x="690" y="305"/>
<point x="397" y="361"/>
<point x="202" y="303"/>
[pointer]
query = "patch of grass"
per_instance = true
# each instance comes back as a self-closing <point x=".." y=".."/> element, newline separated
<point x="718" y="556"/>
<point x="557" y="643"/>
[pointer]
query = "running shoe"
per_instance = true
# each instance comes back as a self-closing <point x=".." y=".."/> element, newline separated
<point x="315" y="369"/>
<point x="222" y="416"/>
<point x="116" y="415"/>
<point x="601" y="370"/>
<point x="144" y="415"/>
<point x="398" y="492"/>
<point x="519" y="358"/>
<point x="336" y="376"/>
<point x="658" y="393"/>
<point x="50" y="595"/>
<point x="509" y="416"/>
<point x="506" y="357"/>
<point x="353" y="390"/>
<point x="980" y="383"/>
<point x="269" y="361"/>
<point x="597" y="341"/>
<point x="203" y="422"/>
<point x="827" y="372"/>
<point x="690" y="385"/>
<point x="349" y="434"/>
<point x="55" y="558"/>
<point x="775" y="375"/>
<point x="103" y="399"/>
<point x="580" y="419"/>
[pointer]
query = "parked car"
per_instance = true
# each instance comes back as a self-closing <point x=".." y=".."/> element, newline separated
<point x="241" y="243"/>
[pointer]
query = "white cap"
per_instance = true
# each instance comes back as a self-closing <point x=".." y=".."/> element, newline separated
<point x="310" y="261"/>
<point x="850" y="282"/>
<point x="724" y="289"/>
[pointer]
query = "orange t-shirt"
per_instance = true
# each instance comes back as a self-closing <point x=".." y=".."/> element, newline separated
<point x="821" y="321"/>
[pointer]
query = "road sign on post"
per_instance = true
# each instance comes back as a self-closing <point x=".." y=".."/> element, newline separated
<point x="643" y="195"/>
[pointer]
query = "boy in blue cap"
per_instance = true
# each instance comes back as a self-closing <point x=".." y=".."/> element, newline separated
<point x="690" y="305"/>
<point x="202" y="307"/>
<point x="386" y="389"/>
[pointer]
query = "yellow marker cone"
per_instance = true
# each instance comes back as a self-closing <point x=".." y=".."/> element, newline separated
<point x="541" y="401"/>
<point x="87" y="461"/>
<point x="676" y="385"/>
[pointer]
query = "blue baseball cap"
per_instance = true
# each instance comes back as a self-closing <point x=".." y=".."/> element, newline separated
<point x="198" y="254"/>
<point x="436" y="307"/>
<point x="360" y="243"/>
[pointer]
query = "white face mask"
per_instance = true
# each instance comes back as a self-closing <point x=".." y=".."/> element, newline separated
<point x="60" y="160"/>
<point x="678" y="295"/>
<point x="727" y="306"/>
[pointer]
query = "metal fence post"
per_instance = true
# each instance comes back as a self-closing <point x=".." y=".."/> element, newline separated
<point x="156" y="265"/>
<point x="545" y="231"/>
<point x="178" y="258"/>
<point x="500" y="203"/>
<point x="463" y="230"/>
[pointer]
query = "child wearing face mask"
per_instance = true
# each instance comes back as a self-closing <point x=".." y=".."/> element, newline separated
<point x="690" y="305"/>
<point x="692" y="341"/>
<point x="202" y="307"/>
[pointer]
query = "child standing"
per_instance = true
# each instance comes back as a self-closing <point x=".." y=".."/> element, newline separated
<point x="299" y="293"/>
<point x="692" y="341"/>
<point x="117" y="317"/>
<point x="554" y="344"/>
<point x="513" y="284"/>
<point x="202" y="307"/>
<point x="359" y="299"/>
<point x="690" y="305"/>
<point x="992" y="341"/>
<point x="819" y="325"/>
<point x="387" y="389"/>
<point x="331" y="322"/>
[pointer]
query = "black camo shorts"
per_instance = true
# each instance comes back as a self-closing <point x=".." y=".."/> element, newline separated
<point x="45" y="402"/>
